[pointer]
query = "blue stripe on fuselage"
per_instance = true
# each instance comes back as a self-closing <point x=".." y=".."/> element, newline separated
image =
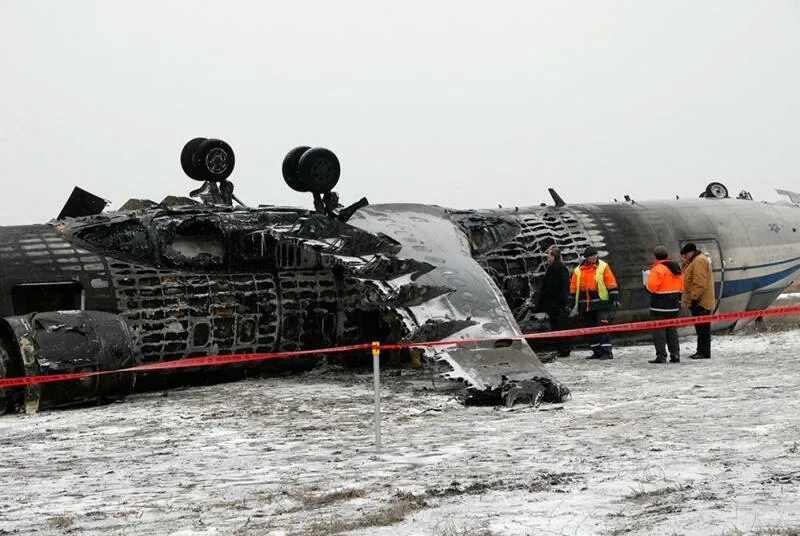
<point x="758" y="265"/>
<point x="741" y="286"/>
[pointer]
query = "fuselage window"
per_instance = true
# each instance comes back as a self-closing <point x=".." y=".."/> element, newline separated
<point x="41" y="297"/>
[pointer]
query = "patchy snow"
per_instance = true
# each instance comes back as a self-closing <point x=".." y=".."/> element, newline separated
<point x="700" y="447"/>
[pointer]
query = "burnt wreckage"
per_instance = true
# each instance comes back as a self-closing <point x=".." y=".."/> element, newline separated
<point x="152" y="282"/>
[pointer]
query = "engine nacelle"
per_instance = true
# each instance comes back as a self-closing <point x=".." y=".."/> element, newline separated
<point x="62" y="342"/>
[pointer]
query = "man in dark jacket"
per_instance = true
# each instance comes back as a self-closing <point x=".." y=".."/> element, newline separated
<point x="554" y="297"/>
<point x="665" y="283"/>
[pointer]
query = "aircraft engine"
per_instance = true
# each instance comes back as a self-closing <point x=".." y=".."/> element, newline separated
<point x="62" y="342"/>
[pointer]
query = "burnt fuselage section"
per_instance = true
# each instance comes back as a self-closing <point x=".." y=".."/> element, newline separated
<point x="201" y="281"/>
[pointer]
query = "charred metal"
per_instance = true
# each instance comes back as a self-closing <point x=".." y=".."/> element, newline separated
<point x="192" y="277"/>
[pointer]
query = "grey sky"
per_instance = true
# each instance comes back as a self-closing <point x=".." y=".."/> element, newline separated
<point x="461" y="104"/>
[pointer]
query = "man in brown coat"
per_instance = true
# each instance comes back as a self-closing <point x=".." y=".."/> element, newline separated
<point x="698" y="294"/>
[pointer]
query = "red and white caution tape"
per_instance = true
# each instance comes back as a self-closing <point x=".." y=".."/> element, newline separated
<point x="211" y="360"/>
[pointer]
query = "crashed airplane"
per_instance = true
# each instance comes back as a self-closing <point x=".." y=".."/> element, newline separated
<point x="154" y="282"/>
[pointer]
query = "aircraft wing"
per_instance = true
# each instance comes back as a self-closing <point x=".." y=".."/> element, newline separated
<point x="469" y="306"/>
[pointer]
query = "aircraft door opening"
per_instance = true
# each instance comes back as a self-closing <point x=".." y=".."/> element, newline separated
<point x="711" y="247"/>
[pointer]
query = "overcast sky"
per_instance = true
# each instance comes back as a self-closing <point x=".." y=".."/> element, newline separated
<point x="461" y="104"/>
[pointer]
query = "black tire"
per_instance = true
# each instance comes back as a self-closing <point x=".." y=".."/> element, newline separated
<point x="187" y="157"/>
<point x="290" y="162"/>
<point x="319" y="170"/>
<point x="716" y="190"/>
<point x="213" y="160"/>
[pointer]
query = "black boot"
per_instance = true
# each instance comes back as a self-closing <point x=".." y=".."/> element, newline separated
<point x="658" y="360"/>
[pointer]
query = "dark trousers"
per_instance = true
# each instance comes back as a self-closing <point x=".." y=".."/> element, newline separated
<point x="558" y="321"/>
<point x="665" y="338"/>
<point x="601" y="343"/>
<point x="703" y="331"/>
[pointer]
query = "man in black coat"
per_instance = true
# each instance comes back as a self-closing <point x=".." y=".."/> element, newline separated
<point x="554" y="297"/>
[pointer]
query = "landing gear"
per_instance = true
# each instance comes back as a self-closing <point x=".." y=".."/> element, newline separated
<point x="317" y="170"/>
<point x="314" y="170"/>
<point x="716" y="190"/>
<point x="204" y="159"/>
<point x="211" y="162"/>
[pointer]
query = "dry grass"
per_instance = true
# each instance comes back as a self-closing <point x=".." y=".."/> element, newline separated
<point x="543" y="481"/>
<point x="310" y="501"/>
<point x="60" y="522"/>
<point x="389" y="515"/>
<point x="450" y="528"/>
<point x="642" y="495"/>
<point x="766" y="531"/>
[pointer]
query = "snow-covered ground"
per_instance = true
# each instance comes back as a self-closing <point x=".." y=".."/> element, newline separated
<point x="700" y="447"/>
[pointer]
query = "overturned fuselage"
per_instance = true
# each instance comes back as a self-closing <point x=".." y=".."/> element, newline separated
<point x="202" y="280"/>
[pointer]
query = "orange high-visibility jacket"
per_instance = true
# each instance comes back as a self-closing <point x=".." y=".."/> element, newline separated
<point x="588" y="297"/>
<point x="665" y="284"/>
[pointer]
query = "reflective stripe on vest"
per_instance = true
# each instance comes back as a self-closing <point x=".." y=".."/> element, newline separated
<point x="602" y="291"/>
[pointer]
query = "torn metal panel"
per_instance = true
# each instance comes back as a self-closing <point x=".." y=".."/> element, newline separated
<point x="137" y="204"/>
<point x="501" y="372"/>
<point x="385" y="267"/>
<point x="82" y="203"/>
<point x="476" y="305"/>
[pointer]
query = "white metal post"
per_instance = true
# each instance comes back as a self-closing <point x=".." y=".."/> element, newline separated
<point x="376" y="372"/>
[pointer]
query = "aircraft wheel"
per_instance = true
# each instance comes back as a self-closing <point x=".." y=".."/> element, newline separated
<point x="319" y="169"/>
<point x="215" y="160"/>
<point x="205" y="159"/>
<point x="187" y="155"/>
<point x="717" y="190"/>
<point x="290" y="162"/>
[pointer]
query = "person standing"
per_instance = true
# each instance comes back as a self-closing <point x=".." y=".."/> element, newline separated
<point x="554" y="297"/>
<point x="593" y="290"/>
<point x="698" y="294"/>
<point x="665" y="283"/>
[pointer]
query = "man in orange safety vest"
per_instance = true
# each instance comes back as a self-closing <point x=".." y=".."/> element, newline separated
<point x="665" y="284"/>
<point x="594" y="293"/>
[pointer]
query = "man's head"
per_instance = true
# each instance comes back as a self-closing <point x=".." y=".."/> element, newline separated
<point x="660" y="253"/>
<point x="553" y="255"/>
<point x="590" y="254"/>
<point x="688" y="250"/>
